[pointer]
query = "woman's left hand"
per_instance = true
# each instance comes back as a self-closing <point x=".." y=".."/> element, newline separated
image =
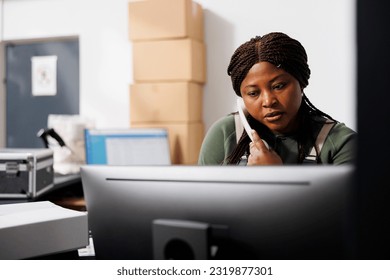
<point x="260" y="154"/>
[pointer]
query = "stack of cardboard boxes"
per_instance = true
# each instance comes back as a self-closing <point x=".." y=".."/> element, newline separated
<point x="169" y="67"/>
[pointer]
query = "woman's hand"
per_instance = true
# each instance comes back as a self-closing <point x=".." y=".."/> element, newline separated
<point x="259" y="153"/>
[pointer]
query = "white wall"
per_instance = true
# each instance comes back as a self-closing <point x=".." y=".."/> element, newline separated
<point x="325" y="28"/>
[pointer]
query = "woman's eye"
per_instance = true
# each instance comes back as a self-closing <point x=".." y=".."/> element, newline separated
<point x="279" y="86"/>
<point x="252" y="93"/>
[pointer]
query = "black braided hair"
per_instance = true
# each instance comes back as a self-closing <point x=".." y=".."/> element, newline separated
<point x="276" y="48"/>
<point x="286" y="53"/>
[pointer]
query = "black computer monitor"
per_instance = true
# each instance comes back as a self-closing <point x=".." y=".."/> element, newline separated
<point x="220" y="212"/>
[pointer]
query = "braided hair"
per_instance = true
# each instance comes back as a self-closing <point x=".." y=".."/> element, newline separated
<point x="285" y="53"/>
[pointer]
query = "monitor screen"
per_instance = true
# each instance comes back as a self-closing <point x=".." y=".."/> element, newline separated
<point x="220" y="212"/>
<point x="136" y="146"/>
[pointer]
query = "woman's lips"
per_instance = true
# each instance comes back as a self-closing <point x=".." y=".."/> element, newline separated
<point x="273" y="116"/>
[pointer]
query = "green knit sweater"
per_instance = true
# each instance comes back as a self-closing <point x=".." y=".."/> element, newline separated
<point x="220" y="141"/>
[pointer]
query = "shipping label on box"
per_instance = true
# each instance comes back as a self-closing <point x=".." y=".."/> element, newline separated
<point x="169" y="61"/>
<point x="166" y="102"/>
<point x="165" y="19"/>
<point x="185" y="140"/>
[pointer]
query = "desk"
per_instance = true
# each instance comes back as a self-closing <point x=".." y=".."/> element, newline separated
<point x="61" y="181"/>
<point x="66" y="192"/>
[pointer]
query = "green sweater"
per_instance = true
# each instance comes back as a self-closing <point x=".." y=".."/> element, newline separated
<point x="220" y="141"/>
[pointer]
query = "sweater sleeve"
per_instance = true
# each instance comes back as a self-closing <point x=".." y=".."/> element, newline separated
<point x="219" y="142"/>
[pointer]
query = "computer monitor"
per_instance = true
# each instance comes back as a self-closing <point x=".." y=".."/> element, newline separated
<point x="220" y="212"/>
<point x="132" y="146"/>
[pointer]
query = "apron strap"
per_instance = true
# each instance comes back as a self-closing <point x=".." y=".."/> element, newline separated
<point x="328" y="125"/>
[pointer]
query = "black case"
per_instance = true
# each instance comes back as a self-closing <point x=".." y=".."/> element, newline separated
<point x="25" y="173"/>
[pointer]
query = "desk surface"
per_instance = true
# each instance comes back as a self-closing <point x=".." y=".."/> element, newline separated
<point x="66" y="192"/>
<point x="61" y="181"/>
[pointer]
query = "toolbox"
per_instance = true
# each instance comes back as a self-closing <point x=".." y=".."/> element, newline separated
<point x="25" y="173"/>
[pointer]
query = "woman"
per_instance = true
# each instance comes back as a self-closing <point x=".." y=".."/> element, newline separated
<point x="270" y="74"/>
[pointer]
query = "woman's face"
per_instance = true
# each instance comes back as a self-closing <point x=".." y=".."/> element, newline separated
<point x="272" y="96"/>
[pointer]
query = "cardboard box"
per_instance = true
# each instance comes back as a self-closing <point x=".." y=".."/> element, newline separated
<point x="185" y="140"/>
<point x="169" y="61"/>
<point x="35" y="229"/>
<point x="25" y="173"/>
<point x="165" y="19"/>
<point x="166" y="102"/>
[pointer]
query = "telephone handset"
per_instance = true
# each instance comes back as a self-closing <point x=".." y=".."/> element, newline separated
<point x="241" y="108"/>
